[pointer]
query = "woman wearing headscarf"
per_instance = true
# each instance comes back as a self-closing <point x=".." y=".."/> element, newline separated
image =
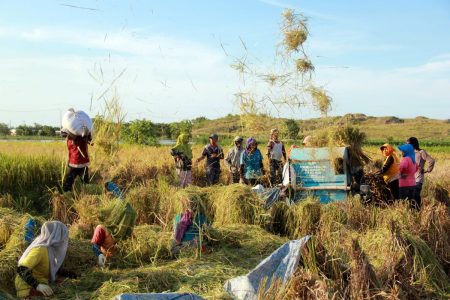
<point x="422" y="157"/>
<point x="118" y="223"/>
<point x="407" y="169"/>
<point x="251" y="163"/>
<point x="41" y="260"/>
<point x="389" y="170"/>
<point x="182" y="153"/>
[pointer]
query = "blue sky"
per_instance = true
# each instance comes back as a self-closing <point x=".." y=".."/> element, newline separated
<point x="374" y="57"/>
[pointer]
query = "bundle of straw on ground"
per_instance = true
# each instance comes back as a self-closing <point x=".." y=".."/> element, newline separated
<point x="88" y="210"/>
<point x="278" y="218"/>
<point x="62" y="208"/>
<point x="79" y="259"/>
<point x="435" y="230"/>
<point x="303" y="218"/>
<point x="147" y="244"/>
<point x="199" y="199"/>
<point x="364" y="283"/>
<point x="236" y="204"/>
<point x="10" y="255"/>
<point x="145" y="199"/>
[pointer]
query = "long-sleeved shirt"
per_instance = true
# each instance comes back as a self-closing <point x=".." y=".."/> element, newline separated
<point x="233" y="159"/>
<point x="423" y="157"/>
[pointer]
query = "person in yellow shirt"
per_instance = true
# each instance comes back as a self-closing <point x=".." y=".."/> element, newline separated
<point x="41" y="260"/>
<point x="390" y="170"/>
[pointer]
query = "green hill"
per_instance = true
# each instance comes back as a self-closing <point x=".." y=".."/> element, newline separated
<point x="377" y="129"/>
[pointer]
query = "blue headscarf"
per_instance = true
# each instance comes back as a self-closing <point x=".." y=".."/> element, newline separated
<point x="408" y="151"/>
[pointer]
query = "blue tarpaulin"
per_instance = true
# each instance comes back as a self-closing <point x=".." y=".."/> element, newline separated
<point x="281" y="264"/>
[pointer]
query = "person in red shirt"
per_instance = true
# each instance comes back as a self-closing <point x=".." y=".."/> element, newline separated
<point x="78" y="160"/>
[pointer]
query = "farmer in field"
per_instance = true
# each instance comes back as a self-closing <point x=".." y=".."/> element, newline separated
<point x="182" y="153"/>
<point x="252" y="168"/>
<point x="407" y="169"/>
<point x="189" y="226"/>
<point x="233" y="159"/>
<point x="275" y="153"/>
<point x="118" y="223"/>
<point x="78" y="159"/>
<point x="213" y="154"/>
<point x="41" y="260"/>
<point x="422" y="158"/>
<point x="389" y="170"/>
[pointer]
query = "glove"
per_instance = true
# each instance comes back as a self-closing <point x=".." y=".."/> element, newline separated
<point x="44" y="289"/>
<point x="101" y="260"/>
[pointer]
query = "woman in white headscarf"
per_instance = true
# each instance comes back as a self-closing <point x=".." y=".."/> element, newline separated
<point x="41" y="260"/>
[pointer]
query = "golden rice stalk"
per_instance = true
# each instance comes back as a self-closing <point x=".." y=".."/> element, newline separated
<point x="304" y="65"/>
<point x="321" y="100"/>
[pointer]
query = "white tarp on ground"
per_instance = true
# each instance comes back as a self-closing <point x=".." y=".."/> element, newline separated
<point x="281" y="264"/>
<point x="76" y="122"/>
<point x="158" y="296"/>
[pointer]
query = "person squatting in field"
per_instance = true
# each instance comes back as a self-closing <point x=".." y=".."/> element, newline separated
<point x="407" y="169"/>
<point x="233" y="159"/>
<point x="389" y="170"/>
<point x="182" y="154"/>
<point x="41" y="260"/>
<point x="275" y="153"/>
<point x="422" y="157"/>
<point x="252" y="168"/>
<point x="117" y="224"/>
<point x="78" y="159"/>
<point x="213" y="154"/>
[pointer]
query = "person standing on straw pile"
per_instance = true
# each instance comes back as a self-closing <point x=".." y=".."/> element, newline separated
<point x="389" y="170"/>
<point x="182" y="153"/>
<point x="407" y="169"/>
<point x="233" y="159"/>
<point x="275" y="151"/>
<point x="251" y="163"/>
<point x="213" y="154"/>
<point x="422" y="157"/>
<point x="118" y="223"/>
<point x="41" y="260"/>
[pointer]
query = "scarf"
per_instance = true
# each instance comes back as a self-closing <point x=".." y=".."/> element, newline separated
<point x="55" y="237"/>
<point x="183" y="146"/>
<point x="250" y="141"/>
<point x="408" y="151"/>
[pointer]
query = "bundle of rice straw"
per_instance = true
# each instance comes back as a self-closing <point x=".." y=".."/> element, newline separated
<point x="295" y="30"/>
<point x="322" y="101"/>
<point x="62" y="208"/>
<point x="147" y="244"/>
<point x="196" y="198"/>
<point x="236" y="204"/>
<point x="303" y="218"/>
<point x="304" y="65"/>
<point x="79" y="258"/>
<point x="364" y="283"/>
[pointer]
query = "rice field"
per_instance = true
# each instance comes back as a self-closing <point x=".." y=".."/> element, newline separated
<point x="358" y="251"/>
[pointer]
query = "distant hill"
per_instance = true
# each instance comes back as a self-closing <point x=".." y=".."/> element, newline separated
<point x="377" y="129"/>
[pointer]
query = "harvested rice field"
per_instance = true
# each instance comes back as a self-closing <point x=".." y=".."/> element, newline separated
<point x="357" y="251"/>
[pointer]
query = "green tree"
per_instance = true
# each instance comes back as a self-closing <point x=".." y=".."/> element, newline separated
<point x="4" y="129"/>
<point x="292" y="128"/>
<point x="178" y="128"/>
<point x="141" y="132"/>
<point x="25" y="130"/>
